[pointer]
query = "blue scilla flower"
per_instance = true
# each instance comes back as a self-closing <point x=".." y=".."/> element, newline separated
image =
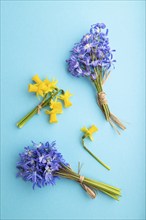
<point x="92" y="51"/>
<point x="92" y="57"/>
<point x="39" y="162"/>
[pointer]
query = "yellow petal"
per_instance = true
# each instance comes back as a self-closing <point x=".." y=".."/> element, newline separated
<point x="32" y="88"/>
<point x="47" y="82"/>
<point x="54" y="111"/>
<point x="84" y="129"/>
<point x="67" y="103"/>
<point x="40" y="92"/>
<point x="53" y="118"/>
<point x="50" y="85"/>
<point x="93" y="129"/>
<point x="56" y="106"/>
<point x="53" y="83"/>
<point x="68" y="94"/>
<point x="37" y="79"/>
<point x="48" y="112"/>
<point x="90" y="131"/>
<point x="42" y="86"/>
<point x="65" y="97"/>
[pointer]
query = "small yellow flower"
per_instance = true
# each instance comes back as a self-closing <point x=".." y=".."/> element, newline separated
<point x="32" y="88"/>
<point x="90" y="131"/>
<point x="56" y="108"/>
<point x="53" y="117"/>
<point x="37" y="79"/>
<point x="50" y="85"/>
<point x="37" y="88"/>
<point x="42" y="87"/>
<point x="65" y="97"/>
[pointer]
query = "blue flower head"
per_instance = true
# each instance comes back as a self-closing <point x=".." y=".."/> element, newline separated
<point x="38" y="164"/>
<point x="92" y="51"/>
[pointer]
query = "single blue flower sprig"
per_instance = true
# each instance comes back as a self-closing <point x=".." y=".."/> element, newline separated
<point x="42" y="164"/>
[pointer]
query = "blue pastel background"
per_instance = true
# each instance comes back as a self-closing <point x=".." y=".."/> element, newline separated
<point x="36" y="37"/>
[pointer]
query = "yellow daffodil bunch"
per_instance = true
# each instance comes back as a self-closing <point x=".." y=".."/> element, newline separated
<point x="88" y="132"/>
<point x="50" y="94"/>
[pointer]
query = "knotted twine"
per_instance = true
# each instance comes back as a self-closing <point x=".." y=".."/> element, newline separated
<point x="39" y="108"/>
<point x="101" y="99"/>
<point x="88" y="190"/>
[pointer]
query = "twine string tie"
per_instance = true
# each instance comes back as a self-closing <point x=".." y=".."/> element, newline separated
<point x="102" y="98"/>
<point x="89" y="191"/>
<point x="39" y="108"/>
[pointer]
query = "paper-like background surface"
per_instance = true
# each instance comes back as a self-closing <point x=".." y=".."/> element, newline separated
<point x="36" y="37"/>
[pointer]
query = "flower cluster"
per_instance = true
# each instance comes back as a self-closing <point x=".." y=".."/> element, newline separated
<point x="45" y="87"/>
<point x="50" y="94"/>
<point x="92" y="57"/>
<point x="41" y="164"/>
<point x="38" y="164"/>
<point x="92" y="51"/>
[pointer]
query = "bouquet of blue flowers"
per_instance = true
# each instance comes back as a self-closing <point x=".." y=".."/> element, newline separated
<point x="92" y="57"/>
<point x="42" y="165"/>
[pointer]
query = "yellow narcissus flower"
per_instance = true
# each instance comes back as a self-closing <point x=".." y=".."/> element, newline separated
<point x="37" y="79"/>
<point x="50" y="85"/>
<point x="56" y="109"/>
<point x="42" y="87"/>
<point x="65" y="97"/>
<point x="57" y="106"/>
<point x="53" y="116"/>
<point x="32" y="88"/>
<point x="90" y="131"/>
<point x="37" y="88"/>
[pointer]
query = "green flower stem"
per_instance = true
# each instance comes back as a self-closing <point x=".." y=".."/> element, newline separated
<point x="24" y="120"/>
<point x="109" y="194"/>
<point x="103" y="186"/>
<point x="112" y="187"/>
<point x="69" y="170"/>
<point x="99" y="88"/>
<point x="68" y="173"/>
<point x="45" y="102"/>
<point x="96" y="158"/>
<point x="112" y="119"/>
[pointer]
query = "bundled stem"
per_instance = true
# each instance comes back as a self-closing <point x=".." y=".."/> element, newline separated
<point x="102" y="102"/>
<point x="46" y="101"/>
<point x="89" y="185"/>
